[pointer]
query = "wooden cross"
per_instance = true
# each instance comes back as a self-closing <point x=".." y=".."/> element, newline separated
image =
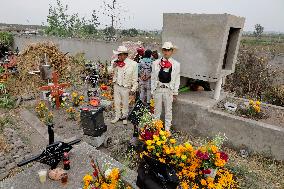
<point x="56" y="89"/>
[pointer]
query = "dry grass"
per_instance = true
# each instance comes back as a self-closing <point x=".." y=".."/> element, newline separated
<point x="4" y="147"/>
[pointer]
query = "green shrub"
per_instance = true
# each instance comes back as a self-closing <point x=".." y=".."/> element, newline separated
<point x="6" y="39"/>
<point x="7" y="102"/>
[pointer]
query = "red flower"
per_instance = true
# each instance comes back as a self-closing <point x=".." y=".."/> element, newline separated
<point x="148" y="135"/>
<point x="206" y="171"/>
<point x="104" y="87"/>
<point x="95" y="173"/>
<point x="224" y="156"/>
<point x="201" y="155"/>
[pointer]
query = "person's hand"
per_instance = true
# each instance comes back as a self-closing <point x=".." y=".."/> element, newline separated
<point x="114" y="65"/>
<point x="175" y="97"/>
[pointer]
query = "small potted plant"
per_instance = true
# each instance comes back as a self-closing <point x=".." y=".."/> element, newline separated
<point x="77" y="99"/>
<point x="252" y="110"/>
<point x="71" y="111"/>
<point x="41" y="109"/>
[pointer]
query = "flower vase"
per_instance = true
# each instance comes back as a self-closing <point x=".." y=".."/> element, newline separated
<point x="212" y="173"/>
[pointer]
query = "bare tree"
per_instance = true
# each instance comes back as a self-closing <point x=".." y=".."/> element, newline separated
<point x="113" y="10"/>
<point x="258" y="30"/>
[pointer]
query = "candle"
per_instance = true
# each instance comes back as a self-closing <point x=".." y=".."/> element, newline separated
<point x="42" y="175"/>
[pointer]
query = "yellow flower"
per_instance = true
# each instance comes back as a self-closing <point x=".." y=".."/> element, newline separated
<point x="168" y="151"/>
<point x="188" y="146"/>
<point x="251" y="102"/>
<point x="152" y="103"/>
<point x="87" y="178"/>
<point x="257" y="103"/>
<point x="172" y="140"/>
<point x="149" y="142"/>
<point x="157" y="154"/>
<point x="203" y="182"/>
<point x="150" y="147"/>
<point x="183" y="157"/>
<point x="155" y="138"/>
<point x="158" y="143"/>
<point x="74" y="94"/>
<point x="162" y="132"/>
<point x="214" y="149"/>
<point x="184" y="185"/>
<point x="164" y="137"/>
<point x="162" y="160"/>
<point x="256" y="108"/>
<point x="81" y="98"/>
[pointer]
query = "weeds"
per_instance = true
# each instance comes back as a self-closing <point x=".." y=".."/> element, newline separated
<point x="4" y="121"/>
<point x="7" y="101"/>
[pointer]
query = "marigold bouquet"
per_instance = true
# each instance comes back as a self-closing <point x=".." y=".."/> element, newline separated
<point x="43" y="113"/>
<point x="111" y="179"/>
<point x="71" y="113"/>
<point x="48" y="118"/>
<point x="41" y="109"/>
<point x="201" y="167"/>
<point x="77" y="99"/>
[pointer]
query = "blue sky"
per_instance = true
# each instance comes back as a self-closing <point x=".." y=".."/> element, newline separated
<point x="147" y="14"/>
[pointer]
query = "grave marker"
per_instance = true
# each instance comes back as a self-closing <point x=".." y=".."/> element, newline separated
<point x="56" y="89"/>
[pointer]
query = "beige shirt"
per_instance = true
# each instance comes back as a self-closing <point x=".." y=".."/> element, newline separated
<point x="175" y="80"/>
<point x="127" y="76"/>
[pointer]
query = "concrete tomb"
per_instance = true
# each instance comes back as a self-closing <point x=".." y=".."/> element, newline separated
<point x="207" y="44"/>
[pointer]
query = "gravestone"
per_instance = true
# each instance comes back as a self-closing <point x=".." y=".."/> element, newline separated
<point x="207" y="44"/>
<point x="80" y="165"/>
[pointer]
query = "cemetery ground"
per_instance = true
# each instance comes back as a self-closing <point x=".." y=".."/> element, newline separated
<point x="252" y="171"/>
<point x="23" y="134"/>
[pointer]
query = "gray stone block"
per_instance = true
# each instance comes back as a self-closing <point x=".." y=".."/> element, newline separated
<point x="207" y="43"/>
<point x="80" y="165"/>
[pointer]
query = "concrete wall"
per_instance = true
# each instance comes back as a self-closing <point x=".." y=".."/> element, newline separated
<point x="93" y="50"/>
<point x="202" y="41"/>
<point x="257" y="136"/>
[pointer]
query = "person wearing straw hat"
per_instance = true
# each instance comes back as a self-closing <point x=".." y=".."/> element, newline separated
<point x="125" y="81"/>
<point x="165" y="81"/>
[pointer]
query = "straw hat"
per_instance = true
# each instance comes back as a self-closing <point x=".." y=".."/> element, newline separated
<point x="169" y="45"/>
<point x="120" y="50"/>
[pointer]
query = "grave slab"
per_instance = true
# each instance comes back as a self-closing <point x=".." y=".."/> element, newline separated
<point x="80" y="165"/>
<point x="36" y="124"/>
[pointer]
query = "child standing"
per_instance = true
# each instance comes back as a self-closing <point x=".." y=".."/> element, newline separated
<point x="145" y="69"/>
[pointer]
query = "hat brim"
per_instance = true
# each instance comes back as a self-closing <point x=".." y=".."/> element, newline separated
<point x="120" y="52"/>
<point x="175" y="49"/>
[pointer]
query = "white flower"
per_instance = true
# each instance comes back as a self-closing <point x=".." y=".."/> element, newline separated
<point x="107" y="173"/>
